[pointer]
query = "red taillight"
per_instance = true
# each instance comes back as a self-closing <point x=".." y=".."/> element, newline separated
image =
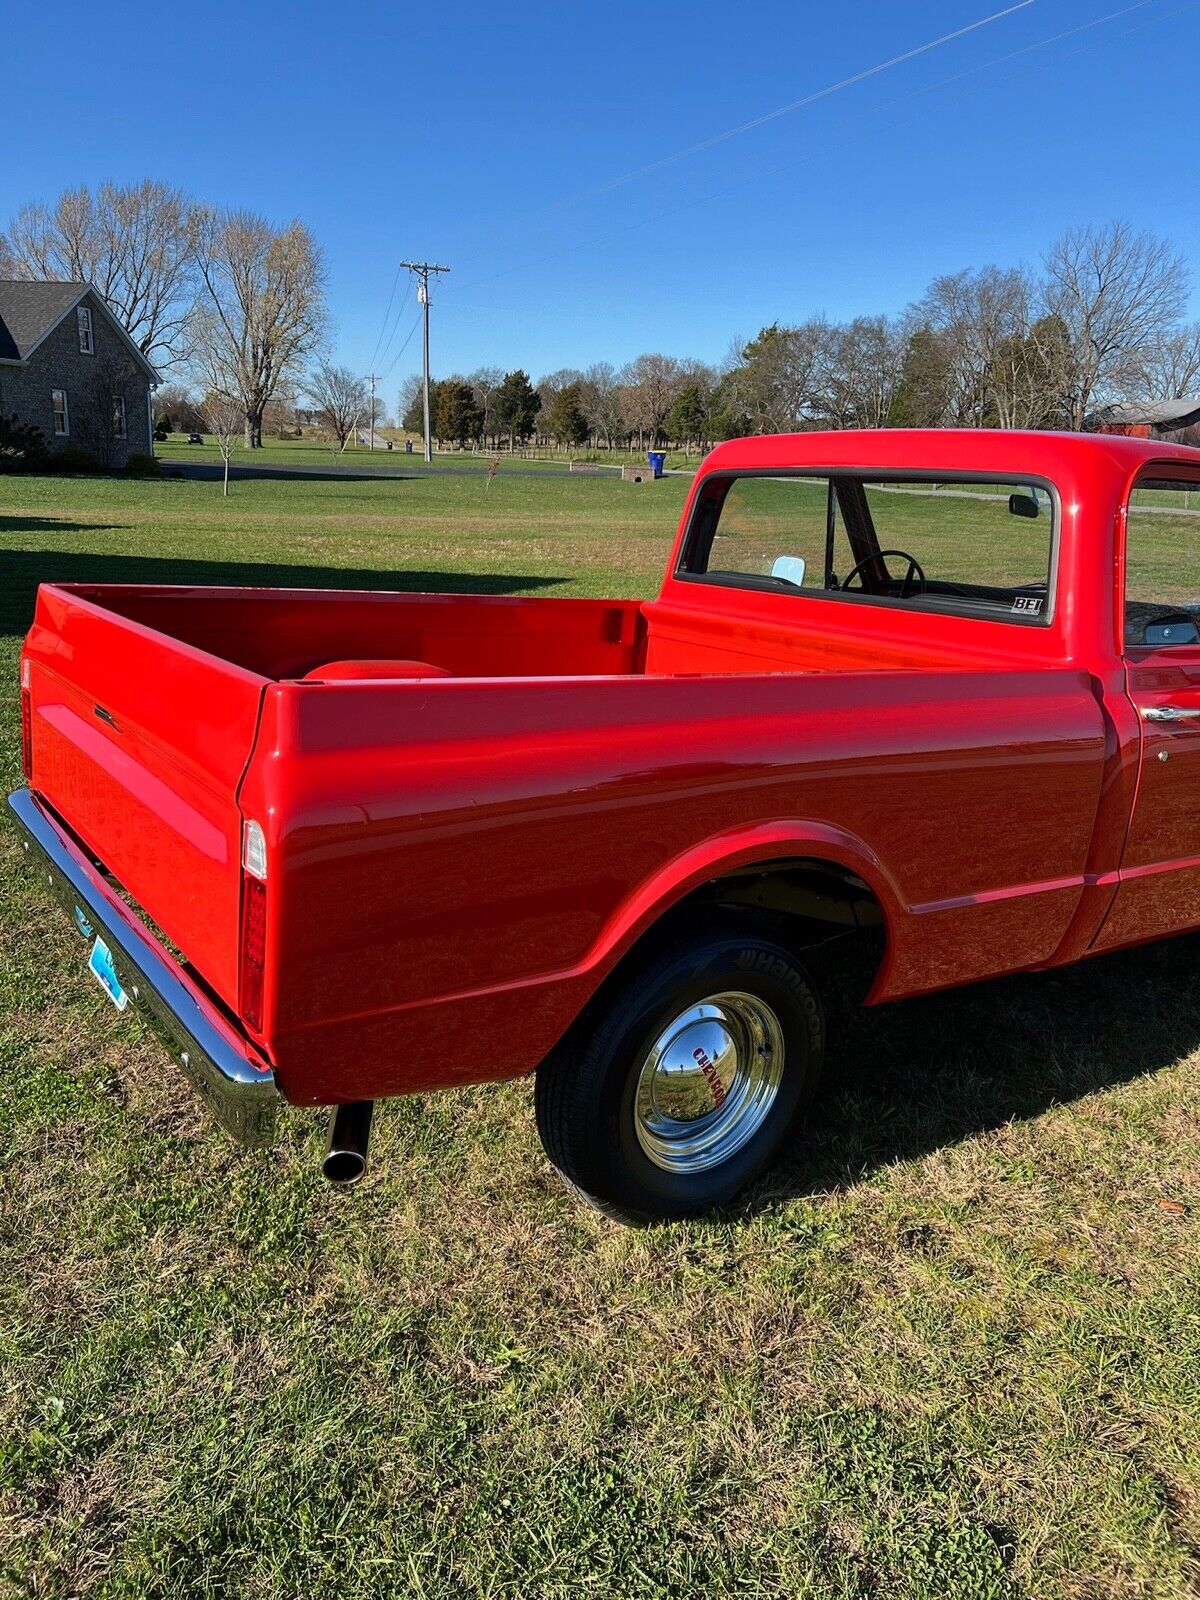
<point x="254" y="945"/>
<point x="26" y="722"/>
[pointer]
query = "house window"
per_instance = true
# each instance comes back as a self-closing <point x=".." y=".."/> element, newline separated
<point x="62" y="420"/>
<point x="118" y="401"/>
<point x="86" y="344"/>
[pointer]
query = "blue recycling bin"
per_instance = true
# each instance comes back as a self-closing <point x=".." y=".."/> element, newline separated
<point x="408" y="447"/>
<point x="657" y="460"/>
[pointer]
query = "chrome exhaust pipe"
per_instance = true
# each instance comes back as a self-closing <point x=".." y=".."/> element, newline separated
<point x="349" y="1134"/>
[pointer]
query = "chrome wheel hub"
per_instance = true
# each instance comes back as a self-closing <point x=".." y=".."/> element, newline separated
<point x="708" y="1082"/>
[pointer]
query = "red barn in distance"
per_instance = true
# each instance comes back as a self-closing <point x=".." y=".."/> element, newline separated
<point x="1175" y="420"/>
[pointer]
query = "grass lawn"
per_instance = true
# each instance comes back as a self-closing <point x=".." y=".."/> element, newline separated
<point x="950" y="1349"/>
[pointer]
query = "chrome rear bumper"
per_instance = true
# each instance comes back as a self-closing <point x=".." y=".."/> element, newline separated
<point x="220" y="1064"/>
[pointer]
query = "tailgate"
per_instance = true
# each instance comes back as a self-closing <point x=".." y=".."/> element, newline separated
<point x="139" y="743"/>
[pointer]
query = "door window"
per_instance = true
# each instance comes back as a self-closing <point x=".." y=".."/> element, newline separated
<point x="1162" y="564"/>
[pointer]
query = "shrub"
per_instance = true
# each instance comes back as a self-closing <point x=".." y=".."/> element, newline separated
<point x="143" y="466"/>
<point x="22" y="447"/>
<point x="74" y="459"/>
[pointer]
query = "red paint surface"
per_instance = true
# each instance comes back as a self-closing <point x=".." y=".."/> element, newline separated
<point x="456" y="862"/>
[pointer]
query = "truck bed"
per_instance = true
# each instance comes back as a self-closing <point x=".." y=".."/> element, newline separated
<point x="282" y="634"/>
<point x="457" y="850"/>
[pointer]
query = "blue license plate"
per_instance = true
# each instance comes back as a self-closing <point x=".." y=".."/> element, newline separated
<point x="100" y="964"/>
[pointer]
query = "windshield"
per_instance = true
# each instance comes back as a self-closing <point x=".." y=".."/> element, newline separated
<point x="942" y="545"/>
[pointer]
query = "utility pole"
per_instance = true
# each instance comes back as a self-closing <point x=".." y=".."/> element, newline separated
<point x="422" y="270"/>
<point x="371" y="421"/>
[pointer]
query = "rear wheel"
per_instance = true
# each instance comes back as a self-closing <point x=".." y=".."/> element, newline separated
<point x="682" y="1085"/>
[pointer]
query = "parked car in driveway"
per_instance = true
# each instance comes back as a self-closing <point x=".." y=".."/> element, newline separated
<point x="934" y="691"/>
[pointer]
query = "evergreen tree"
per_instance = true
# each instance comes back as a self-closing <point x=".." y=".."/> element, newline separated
<point x="456" y="415"/>
<point x="565" y="422"/>
<point x="686" y="419"/>
<point x="517" y="405"/>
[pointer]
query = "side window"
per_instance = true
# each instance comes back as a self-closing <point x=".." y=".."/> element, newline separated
<point x="118" y="416"/>
<point x="83" y="318"/>
<point x="1162" y="564"/>
<point x="62" y="421"/>
<point x="772" y="528"/>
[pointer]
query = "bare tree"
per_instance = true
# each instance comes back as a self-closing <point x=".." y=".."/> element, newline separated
<point x="858" y="372"/>
<point x="1119" y="295"/>
<point x="340" y="397"/>
<point x="654" y="381"/>
<point x="973" y="313"/>
<point x="225" y="417"/>
<point x="410" y="397"/>
<point x="1031" y="376"/>
<point x="601" y="401"/>
<point x="176" y="403"/>
<point x="1169" y="370"/>
<point x="484" y="383"/>
<point x="279" y="413"/>
<point x="135" y="243"/>
<point x="779" y="375"/>
<point x="263" y="306"/>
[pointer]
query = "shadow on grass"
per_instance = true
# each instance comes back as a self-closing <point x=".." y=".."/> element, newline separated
<point x="206" y="472"/>
<point x="56" y="525"/>
<point x="904" y="1080"/>
<point x="22" y="570"/>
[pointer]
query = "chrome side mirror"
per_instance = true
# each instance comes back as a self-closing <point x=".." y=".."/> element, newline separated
<point x="790" y="569"/>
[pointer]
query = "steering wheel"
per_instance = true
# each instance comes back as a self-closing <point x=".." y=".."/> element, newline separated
<point x="913" y="581"/>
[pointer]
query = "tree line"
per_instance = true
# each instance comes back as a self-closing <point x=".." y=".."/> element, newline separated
<point x="1100" y="320"/>
<point x="235" y="305"/>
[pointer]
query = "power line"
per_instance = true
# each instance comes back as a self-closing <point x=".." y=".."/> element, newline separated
<point x="387" y="313"/>
<point x="403" y="347"/>
<point x="794" y="105"/>
<point x="887" y="105"/>
<point x="382" y="355"/>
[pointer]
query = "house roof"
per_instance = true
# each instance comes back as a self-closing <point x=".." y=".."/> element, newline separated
<point x="31" y="309"/>
<point x="1157" y="413"/>
<point x="28" y="311"/>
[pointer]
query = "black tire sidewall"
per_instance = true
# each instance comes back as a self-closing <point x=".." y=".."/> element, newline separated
<point x="620" y="1172"/>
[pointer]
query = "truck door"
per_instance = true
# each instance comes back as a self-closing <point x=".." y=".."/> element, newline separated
<point x="1159" y="891"/>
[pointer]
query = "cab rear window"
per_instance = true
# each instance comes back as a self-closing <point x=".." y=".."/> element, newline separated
<point x="948" y="545"/>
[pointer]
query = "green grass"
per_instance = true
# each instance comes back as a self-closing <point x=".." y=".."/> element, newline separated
<point x="950" y="1349"/>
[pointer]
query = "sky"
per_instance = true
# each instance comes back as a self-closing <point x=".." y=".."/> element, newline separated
<point x="515" y="148"/>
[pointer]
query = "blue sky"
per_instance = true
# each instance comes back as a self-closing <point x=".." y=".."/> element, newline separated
<point x="491" y="143"/>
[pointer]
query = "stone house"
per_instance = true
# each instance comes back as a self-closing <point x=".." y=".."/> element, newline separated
<point x="68" y="367"/>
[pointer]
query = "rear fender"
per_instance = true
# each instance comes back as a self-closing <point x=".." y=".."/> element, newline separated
<point x="796" y="840"/>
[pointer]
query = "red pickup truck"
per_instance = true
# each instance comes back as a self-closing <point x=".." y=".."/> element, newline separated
<point x="939" y="691"/>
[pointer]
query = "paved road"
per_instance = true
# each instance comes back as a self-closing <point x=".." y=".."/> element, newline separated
<point x="403" y="468"/>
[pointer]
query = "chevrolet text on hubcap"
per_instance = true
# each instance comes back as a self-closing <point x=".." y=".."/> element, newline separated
<point x="708" y="1082"/>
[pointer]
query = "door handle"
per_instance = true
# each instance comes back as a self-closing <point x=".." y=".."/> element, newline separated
<point x="1171" y="713"/>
